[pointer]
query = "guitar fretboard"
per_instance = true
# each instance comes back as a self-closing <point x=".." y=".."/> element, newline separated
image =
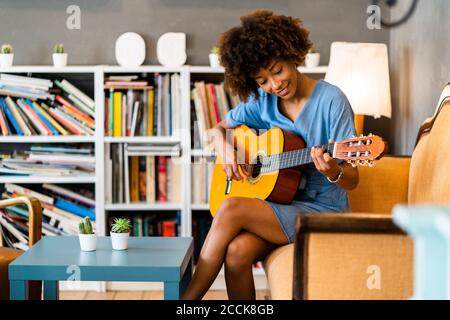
<point x="290" y="158"/>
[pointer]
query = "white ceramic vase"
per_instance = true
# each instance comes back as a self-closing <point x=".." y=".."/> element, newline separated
<point x="214" y="60"/>
<point x="60" y="60"/>
<point x="312" y="60"/>
<point x="119" y="241"/>
<point x="6" y="59"/>
<point x="88" y="242"/>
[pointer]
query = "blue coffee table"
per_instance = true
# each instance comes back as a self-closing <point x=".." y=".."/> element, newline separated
<point x="55" y="258"/>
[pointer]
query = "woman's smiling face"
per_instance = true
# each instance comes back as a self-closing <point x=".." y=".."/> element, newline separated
<point x="279" y="78"/>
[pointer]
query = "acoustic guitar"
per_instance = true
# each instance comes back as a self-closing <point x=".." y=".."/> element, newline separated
<point x="274" y="163"/>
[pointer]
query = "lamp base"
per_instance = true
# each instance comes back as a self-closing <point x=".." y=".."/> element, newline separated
<point x="359" y="124"/>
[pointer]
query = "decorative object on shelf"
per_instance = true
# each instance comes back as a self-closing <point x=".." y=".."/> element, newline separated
<point x="130" y="50"/>
<point x="6" y="56"/>
<point x="214" y="60"/>
<point x="120" y="232"/>
<point x="361" y="71"/>
<point x="88" y="239"/>
<point x="312" y="58"/>
<point x="59" y="56"/>
<point x="171" y="49"/>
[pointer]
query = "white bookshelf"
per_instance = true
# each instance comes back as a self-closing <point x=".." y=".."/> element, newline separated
<point x="101" y="142"/>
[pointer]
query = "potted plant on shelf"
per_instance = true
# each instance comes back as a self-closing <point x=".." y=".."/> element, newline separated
<point x="312" y="58"/>
<point x="6" y="56"/>
<point x="214" y="61"/>
<point x="120" y="232"/>
<point x="88" y="239"/>
<point x="59" y="56"/>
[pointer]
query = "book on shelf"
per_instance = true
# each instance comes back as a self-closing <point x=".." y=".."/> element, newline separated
<point x="201" y="184"/>
<point x="28" y="108"/>
<point x="47" y="160"/>
<point x="142" y="178"/>
<point x="210" y="104"/>
<point x="143" y="107"/>
<point x="63" y="203"/>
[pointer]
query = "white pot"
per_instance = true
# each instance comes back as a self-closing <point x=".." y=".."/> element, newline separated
<point x="312" y="60"/>
<point x="60" y="59"/>
<point x="6" y="59"/>
<point x="119" y="240"/>
<point x="214" y="60"/>
<point x="88" y="242"/>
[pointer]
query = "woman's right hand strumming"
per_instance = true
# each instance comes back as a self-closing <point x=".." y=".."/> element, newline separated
<point x="217" y="137"/>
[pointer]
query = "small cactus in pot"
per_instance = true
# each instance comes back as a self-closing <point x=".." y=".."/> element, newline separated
<point x="6" y="55"/>
<point x="59" y="56"/>
<point x="88" y="239"/>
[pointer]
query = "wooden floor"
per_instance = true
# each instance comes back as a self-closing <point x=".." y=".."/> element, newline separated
<point x="142" y="295"/>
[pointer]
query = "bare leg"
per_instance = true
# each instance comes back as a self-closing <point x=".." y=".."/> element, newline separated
<point x="235" y="214"/>
<point x="244" y="250"/>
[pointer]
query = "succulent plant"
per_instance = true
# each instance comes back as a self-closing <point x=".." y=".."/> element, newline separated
<point x="59" y="48"/>
<point x="7" y="48"/>
<point x="215" y="50"/>
<point x="85" y="226"/>
<point x="312" y="50"/>
<point x="121" y="225"/>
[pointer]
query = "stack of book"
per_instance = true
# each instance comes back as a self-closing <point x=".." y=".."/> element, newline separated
<point x="136" y="108"/>
<point x="210" y="104"/>
<point x="27" y="108"/>
<point x="63" y="209"/>
<point x="149" y="178"/>
<point x="49" y="160"/>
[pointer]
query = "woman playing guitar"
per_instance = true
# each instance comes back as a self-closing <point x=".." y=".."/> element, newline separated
<point x="260" y="58"/>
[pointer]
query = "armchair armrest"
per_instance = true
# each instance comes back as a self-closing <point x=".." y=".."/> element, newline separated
<point x="334" y="242"/>
<point x="34" y="216"/>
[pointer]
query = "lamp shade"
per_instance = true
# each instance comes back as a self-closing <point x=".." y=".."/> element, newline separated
<point x="361" y="71"/>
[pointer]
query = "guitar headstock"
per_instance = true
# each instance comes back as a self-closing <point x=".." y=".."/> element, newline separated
<point x="362" y="150"/>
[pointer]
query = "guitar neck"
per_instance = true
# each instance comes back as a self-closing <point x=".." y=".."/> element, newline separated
<point x="290" y="158"/>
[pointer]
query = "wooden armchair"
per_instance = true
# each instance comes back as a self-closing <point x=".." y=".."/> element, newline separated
<point x="7" y="255"/>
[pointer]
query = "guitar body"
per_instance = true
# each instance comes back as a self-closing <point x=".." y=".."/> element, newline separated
<point x="277" y="186"/>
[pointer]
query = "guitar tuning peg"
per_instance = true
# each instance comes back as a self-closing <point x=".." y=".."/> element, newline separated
<point x="362" y="163"/>
<point x="352" y="162"/>
<point x="370" y="134"/>
<point x="371" y="163"/>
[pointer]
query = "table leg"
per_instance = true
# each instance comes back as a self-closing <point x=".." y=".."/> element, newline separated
<point x="187" y="276"/>
<point x="18" y="289"/>
<point x="51" y="290"/>
<point x="171" y="290"/>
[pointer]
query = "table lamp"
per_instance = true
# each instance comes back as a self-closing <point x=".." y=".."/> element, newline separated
<point x="361" y="71"/>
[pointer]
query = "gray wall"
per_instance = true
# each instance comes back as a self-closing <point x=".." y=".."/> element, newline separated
<point x="33" y="27"/>
<point x="420" y="68"/>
